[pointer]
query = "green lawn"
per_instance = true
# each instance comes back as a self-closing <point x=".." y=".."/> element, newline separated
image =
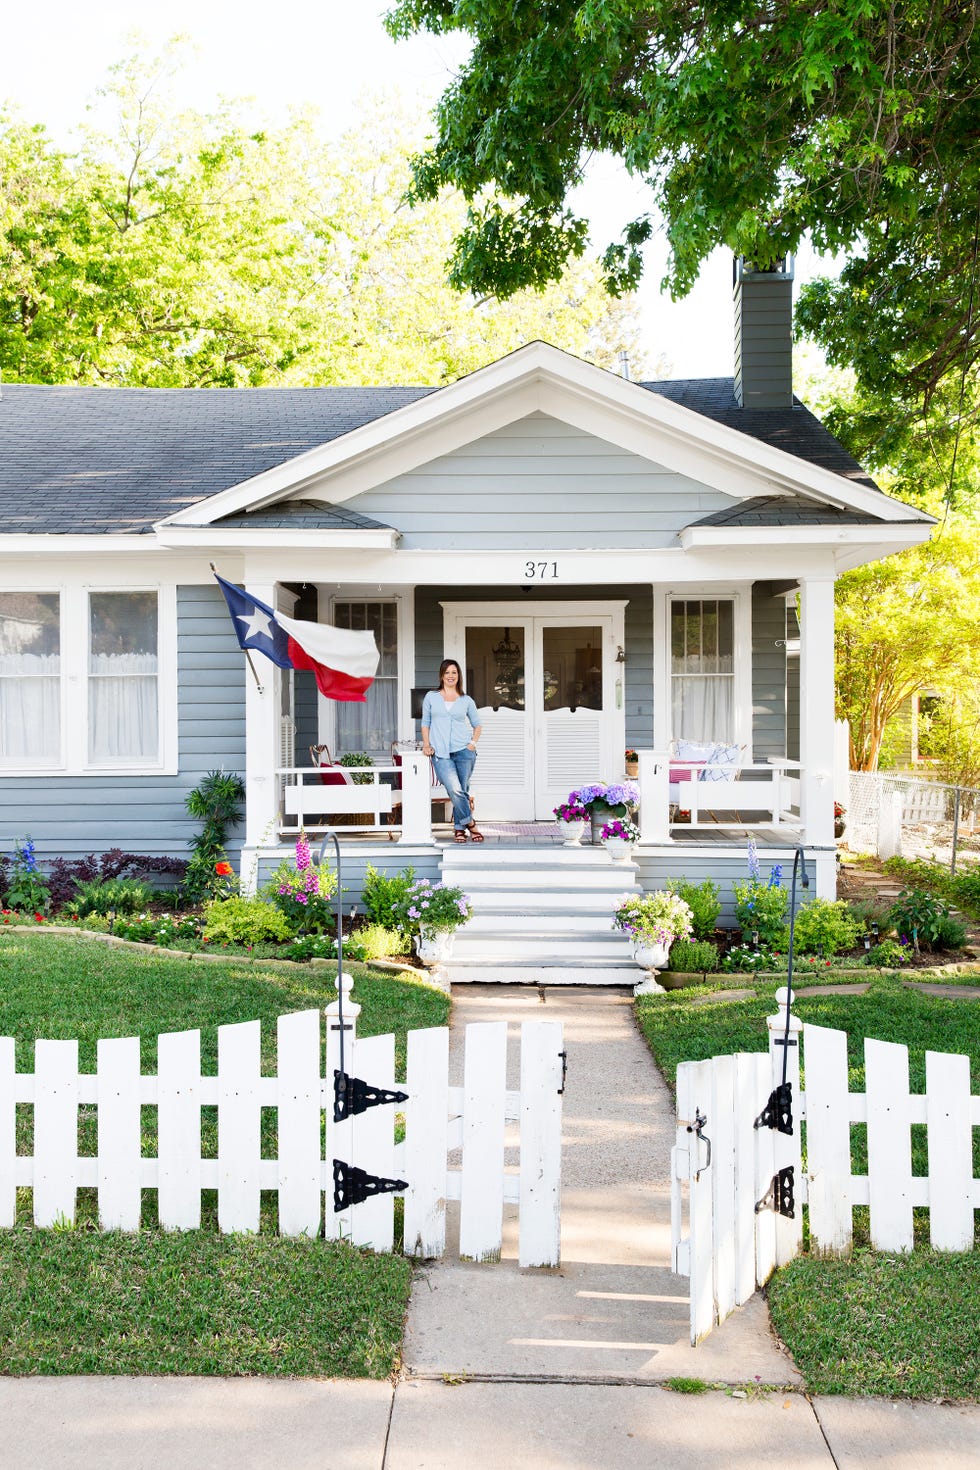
<point x="874" y="1323"/>
<point x="78" y="1301"/>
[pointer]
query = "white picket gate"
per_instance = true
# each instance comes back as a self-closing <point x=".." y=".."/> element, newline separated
<point x="438" y="1119"/>
<point x="729" y="1177"/>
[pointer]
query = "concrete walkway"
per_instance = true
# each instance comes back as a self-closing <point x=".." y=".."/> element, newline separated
<point x="520" y="1370"/>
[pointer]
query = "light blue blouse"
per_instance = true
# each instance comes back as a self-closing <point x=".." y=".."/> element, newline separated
<point x="451" y="725"/>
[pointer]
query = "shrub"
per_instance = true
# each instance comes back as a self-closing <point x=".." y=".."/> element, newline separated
<point x="693" y="956"/>
<point x="382" y="894"/>
<point x="322" y="947"/>
<point x="244" y="921"/>
<point x="303" y="893"/>
<point x="165" y="929"/>
<point x="742" y="957"/>
<point x="111" y="895"/>
<point x="888" y="954"/>
<point x="26" y="888"/>
<point x="358" y="758"/>
<point x="66" y="874"/>
<point x="822" y="926"/>
<point x="949" y="933"/>
<point x="871" y="911"/>
<point x="918" y="915"/>
<point x="704" y="901"/>
<point x="760" y="908"/>
<point x="379" y="943"/>
<point x="216" y="803"/>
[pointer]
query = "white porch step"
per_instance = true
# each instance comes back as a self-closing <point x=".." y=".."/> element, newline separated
<point x="529" y="945"/>
<point x="542" y="900"/>
<point x="480" y="854"/>
<point x="599" y="921"/>
<point x="607" y="879"/>
<point x="540" y="972"/>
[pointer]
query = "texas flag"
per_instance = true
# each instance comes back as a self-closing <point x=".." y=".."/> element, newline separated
<point x="343" y="662"/>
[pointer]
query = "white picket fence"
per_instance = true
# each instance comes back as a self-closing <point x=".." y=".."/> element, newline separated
<point x="728" y="1242"/>
<point x="474" y="1118"/>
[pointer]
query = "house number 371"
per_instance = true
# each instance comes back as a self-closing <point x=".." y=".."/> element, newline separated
<point x="537" y="571"/>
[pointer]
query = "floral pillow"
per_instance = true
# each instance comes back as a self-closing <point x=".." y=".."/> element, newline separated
<point x="722" y="764"/>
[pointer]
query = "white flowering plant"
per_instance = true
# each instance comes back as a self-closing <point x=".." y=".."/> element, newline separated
<point x="433" y="907"/>
<point x="653" y="918"/>
<point x="622" y="828"/>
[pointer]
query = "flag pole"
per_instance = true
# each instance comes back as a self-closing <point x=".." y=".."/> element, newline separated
<point x="258" y="681"/>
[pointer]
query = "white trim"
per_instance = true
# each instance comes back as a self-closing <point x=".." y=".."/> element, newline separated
<point x="74" y="680"/>
<point x="540" y="377"/>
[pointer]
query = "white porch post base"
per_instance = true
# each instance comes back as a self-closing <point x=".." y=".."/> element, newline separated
<point x="817" y="727"/>
<point x="654" y="778"/>
<point x="416" y="799"/>
<point x="825" y="864"/>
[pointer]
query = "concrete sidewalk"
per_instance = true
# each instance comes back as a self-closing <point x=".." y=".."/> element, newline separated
<point x="273" y="1424"/>
<point x="614" y="1312"/>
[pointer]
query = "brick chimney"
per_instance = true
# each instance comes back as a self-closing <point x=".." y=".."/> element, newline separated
<point x="764" y="334"/>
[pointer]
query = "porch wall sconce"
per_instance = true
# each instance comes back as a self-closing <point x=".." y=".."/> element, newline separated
<point x="620" y="654"/>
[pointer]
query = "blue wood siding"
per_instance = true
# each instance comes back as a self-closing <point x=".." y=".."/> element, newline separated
<point x="539" y="483"/>
<point x="768" y="673"/>
<point x="69" y="816"/>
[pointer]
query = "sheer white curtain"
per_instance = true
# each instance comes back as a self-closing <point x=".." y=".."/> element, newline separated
<point x="123" y="713"/>
<point x="30" y="706"/>
<point x="702" y="663"/>
<point x="703" y="709"/>
<point x="371" y="726"/>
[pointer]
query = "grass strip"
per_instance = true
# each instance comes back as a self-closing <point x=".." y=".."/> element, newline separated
<point x="881" y="1324"/>
<point x="197" y="1303"/>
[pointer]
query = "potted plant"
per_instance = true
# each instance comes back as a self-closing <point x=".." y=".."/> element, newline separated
<point x="839" y="814"/>
<point x="618" y="837"/>
<point x="603" y="802"/>
<point x="654" y="921"/>
<point x="571" y="814"/>
<point x="431" y="913"/>
<point x="632" y="765"/>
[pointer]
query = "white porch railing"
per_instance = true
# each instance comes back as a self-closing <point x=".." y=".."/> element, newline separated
<point x="772" y="788"/>
<point x="395" y="800"/>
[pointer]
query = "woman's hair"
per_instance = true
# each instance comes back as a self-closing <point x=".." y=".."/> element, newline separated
<point x="450" y="663"/>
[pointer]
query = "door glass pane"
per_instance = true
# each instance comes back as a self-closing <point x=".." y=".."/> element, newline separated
<point x="572" y="668"/>
<point x="495" y="667"/>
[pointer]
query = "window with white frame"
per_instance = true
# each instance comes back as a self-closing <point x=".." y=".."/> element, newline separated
<point x="123" y="678"/>
<point x="702" y="669"/>
<point x="372" y="726"/>
<point x="30" y="678"/>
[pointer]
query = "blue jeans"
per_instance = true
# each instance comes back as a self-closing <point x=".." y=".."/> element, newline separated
<point x="454" y="771"/>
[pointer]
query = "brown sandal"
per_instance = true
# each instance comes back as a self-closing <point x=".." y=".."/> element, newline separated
<point x="460" y="836"/>
<point x="475" y="836"/>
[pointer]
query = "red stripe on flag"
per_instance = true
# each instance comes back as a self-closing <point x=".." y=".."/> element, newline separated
<point x="330" y="682"/>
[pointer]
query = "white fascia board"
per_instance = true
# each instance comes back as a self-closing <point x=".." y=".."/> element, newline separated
<point x="45" y="544"/>
<point x="362" y="539"/>
<point x="871" y="542"/>
<point x="542" y="378"/>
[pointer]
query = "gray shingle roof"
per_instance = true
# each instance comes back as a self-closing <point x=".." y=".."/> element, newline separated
<point x="309" y="515"/>
<point x="795" y="430"/>
<point x="777" y="510"/>
<point x="116" y="460"/>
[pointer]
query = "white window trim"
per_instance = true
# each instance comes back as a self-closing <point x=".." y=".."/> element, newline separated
<point x="404" y="601"/>
<point x="74" y="631"/>
<point x="741" y="597"/>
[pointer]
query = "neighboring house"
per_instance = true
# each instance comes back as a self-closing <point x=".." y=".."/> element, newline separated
<point x="611" y="562"/>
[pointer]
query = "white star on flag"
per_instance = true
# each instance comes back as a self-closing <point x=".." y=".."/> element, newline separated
<point x="257" y="625"/>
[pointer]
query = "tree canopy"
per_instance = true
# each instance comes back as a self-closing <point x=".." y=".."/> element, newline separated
<point x="754" y="123"/>
<point x="190" y="249"/>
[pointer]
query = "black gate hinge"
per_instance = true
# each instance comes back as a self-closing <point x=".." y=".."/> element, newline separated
<point x="779" y="1197"/>
<point x="778" y="1111"/>
<point x="352" y="1186"/>
<point x="352" y="1096"/>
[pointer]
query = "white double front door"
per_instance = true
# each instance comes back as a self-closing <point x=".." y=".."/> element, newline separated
<point x="547" y="679"/>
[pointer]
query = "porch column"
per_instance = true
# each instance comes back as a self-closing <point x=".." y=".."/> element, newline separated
<point x="416" y="799"/>
<point x="261" y="754"/>
<point x="817" y="726"/>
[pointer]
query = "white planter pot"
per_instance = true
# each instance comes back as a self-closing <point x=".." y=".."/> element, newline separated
<point x="618" y="848"/>
<point x="651" y="956"/>
<point x="434" y="946"/>
<point x="573" y="833"/>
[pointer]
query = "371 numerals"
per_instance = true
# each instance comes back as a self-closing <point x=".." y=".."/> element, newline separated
<point x="538" y="571"/>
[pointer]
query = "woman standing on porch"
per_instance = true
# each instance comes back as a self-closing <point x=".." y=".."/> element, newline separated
<point x="450" y="733"/>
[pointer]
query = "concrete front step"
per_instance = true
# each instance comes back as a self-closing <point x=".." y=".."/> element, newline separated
<point x="611" y="879"/>
<point x="597" y="922"/>
<point x="520" y="901"/>
<point x="477" y="855"/>
<point x="540" y="972"/>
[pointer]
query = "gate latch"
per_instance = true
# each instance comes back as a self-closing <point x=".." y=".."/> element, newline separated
<point x="697" y="1128"/>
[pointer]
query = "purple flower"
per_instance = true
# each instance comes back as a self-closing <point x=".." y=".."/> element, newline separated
<point x="300" y="897"/>
<point x="775" y="875"/>
<point x="753" y="860"/>
<point x="302" y="854"/>
<point x="414" y="913"/>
